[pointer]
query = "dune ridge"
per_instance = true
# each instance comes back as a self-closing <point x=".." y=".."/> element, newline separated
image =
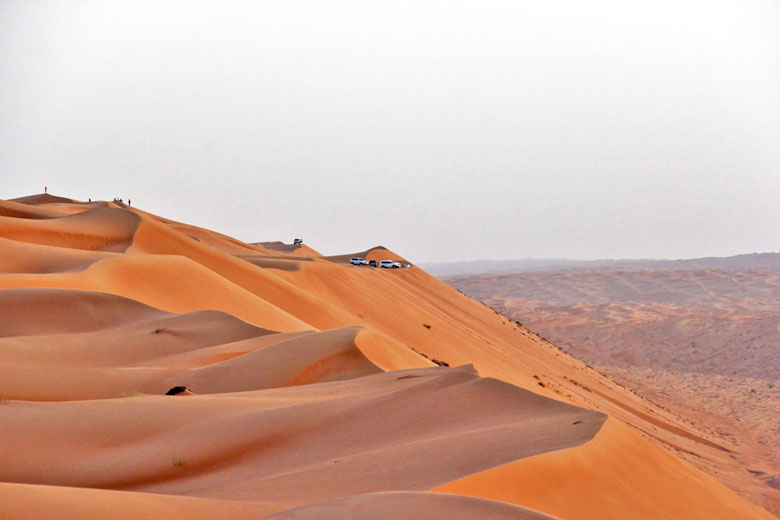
<point x="321" y="388"/>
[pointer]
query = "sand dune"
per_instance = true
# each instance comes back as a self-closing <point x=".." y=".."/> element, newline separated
<point x="26" y="312"/>
<point x="290" y="444"/>
<point x="601" y="472"/>
<point x="389" y="506"/>
<point x="26" y="258"/>
<point x="172" y="283"/>
<point x="321" y="389"/>
<point x="298" y="250"/>
<point x="20" y="210"/>
<point x="33" y="502"/>
<point x="25" y="501"/>
<point x="105" y="346"/>
<point x="102" y="229"/>
<point x="154" y="238"/>
<point x="42" y="198"/>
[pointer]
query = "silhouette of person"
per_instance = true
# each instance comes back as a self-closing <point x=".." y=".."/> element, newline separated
<point x="128" y="202"/>
<point x="46" y="189"/>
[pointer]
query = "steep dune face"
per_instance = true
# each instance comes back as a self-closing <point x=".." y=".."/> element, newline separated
<point x="317" y="390"/>
<point x="605" y="472"/>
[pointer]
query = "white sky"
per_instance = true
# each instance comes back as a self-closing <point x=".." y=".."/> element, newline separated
<point x="443" y="130"/>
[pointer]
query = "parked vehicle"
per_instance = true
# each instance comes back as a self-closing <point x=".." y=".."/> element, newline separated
<point x="297" y="241"/>
<point x="372" y="263"/>
<point x="356" y="260"/>
<point x="389" y="264"/>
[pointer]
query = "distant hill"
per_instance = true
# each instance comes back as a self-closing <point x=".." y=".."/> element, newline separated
<point x="746" y="261"/>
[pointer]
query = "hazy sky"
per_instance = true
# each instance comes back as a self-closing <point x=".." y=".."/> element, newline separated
<point x="443" y="130"/>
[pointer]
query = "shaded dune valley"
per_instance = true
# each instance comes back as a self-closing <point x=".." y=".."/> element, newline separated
<point x="315" y="389"/>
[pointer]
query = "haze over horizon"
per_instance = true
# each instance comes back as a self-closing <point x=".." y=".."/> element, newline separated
<point x="443" y="130"/>
<point x="551" y="259"/>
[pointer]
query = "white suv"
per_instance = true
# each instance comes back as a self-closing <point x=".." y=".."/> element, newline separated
<point x="356" y="260"/>
<point x="389" y="264"/>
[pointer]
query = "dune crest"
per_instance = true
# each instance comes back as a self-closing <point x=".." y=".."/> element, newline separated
<point x="319" y="389"/>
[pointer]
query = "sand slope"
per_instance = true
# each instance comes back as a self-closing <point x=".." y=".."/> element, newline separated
<point x="60" y="344"/>
<point x="604" y="472"/>
<point x="290" y="444"/>
<point x="22" y="501"/>
<point x="389" y="506"/>
<point x="316" y="383"/>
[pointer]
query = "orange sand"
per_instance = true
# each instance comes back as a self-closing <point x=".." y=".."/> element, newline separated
<point x="315" y="381"/>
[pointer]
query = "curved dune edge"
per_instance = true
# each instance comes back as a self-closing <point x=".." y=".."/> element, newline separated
<point x="207" y="236"/>
<point x="319" y="357"/>
<point x="301" y="250"/>
<point x="27" y="258"/>
<point x="171" y="283"/>
<point x="396" y="505"/>
<point x="43" y="198"/>
<point x="388" y="354"/>
<point x="154" y="238"/>
<point x="417" y="428"/>
<point x="35" y="311"/>
<point x="28" y="501"/>
<point x="114" y="229"/>
<point x="58" y="344"/>
<point x="20" y="210"/>
<point x="600" y="479"/>
<point x="100" y="229"/>
<point x="34" y="502"/>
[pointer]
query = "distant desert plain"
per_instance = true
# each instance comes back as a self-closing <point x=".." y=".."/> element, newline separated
<point x="304" y="387"/>
<point x="698" y="337"/>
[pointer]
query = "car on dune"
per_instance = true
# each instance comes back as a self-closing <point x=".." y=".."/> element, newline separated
<point x="356" y="260"/>
<point x="389" y="264"/>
